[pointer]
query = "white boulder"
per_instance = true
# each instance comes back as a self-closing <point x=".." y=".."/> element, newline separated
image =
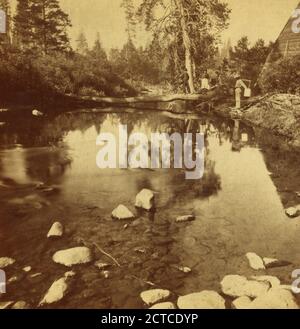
<point x="145" y="199"/>
<point x="154" y="296"/>
<point x="27" y="269"/>
<point x="293" y="212"/>
<point x="6" y="261"/>
<point x="273" y="280"/>
<point x="242" y="303"/>
<point x="275" y="298"/>
<point x="185" y="218"/>
<point x="239" y="286"/>
<point x="122" y="212"/>
<point x="73" y="256"/>
<point x="56" y="292"/>
<point x="255" y="261"/>
<point x="56" y="230"/>
<point x="201" y="300"/>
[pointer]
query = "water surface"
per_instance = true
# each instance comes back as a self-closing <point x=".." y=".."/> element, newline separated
<point x="48" y="172"/>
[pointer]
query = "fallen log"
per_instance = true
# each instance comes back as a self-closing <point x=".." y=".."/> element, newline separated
<point x="204" y="96"/>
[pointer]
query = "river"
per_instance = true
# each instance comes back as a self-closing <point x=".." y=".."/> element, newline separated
<point x="48" y="173"/>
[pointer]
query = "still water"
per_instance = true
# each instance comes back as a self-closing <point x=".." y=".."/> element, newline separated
<point x="48" y="173"/>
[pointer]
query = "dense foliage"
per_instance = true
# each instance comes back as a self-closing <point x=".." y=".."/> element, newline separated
<point x="282" y="76"/>
<point x="39" y="63"/>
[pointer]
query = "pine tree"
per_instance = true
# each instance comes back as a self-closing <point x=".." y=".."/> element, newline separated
<point x="23" y="25"/>
<point x="50" y="26"/>
<point x="82" y="44"/>
<point x="98" y="52"/>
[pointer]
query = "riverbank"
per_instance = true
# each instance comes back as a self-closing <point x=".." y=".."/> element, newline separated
<point x="279" y="113"/>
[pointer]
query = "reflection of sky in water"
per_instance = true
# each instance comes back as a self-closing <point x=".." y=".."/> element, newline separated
<point x="237" y="206"/>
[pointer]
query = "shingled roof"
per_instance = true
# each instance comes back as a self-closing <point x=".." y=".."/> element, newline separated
<point x="288" y="41"/>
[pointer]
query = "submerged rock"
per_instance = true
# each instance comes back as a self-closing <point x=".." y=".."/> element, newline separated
<point x="102" y="266"/>
<point x="163" y="306"/>
<point x="185" y="218"/>
<point x="255" y="261"/>
<point x="73" y="256"/>
<point x="154" y="296"/>
<point x="105" y="274"/>
<point x="201" y="300"/>
<point x="56" y="292"/>
<point x="275" y="298"/>
<point x="56" y="230"/>
<point x="122" y="212"/>
<point x="145" y="199"/>
<point x="6" y="261"/>
<point x="239" y="286"/>
<point x="241" y="303"/>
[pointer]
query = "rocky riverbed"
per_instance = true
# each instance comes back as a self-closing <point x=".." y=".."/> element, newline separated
<point x="75" y="236"/>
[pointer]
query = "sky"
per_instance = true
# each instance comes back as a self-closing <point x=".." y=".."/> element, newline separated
<point x="254" y="18"/>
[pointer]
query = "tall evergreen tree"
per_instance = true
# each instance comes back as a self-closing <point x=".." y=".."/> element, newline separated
<point x="23" y="25"/>
<point x="82" y="45"/>
<point x="98" y="52"/>
<point x="50" y="26"/>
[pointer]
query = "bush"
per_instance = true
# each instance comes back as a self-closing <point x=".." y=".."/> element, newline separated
<point x="282" y="76"/>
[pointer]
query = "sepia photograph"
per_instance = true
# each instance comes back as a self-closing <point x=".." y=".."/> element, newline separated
<point x="149" y="157"/>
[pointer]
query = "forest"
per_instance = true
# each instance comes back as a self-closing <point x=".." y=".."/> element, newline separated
<point x="38" y="64"/>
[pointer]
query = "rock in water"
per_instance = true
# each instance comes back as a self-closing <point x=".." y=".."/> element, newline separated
<point x="255" y="261"/>
<point x="154" y="296"/>
<point x="102" y="266"/>
<point x="273" y="262"/>
<point x="73" y="256"/>
<point x="242" y="303"/>
<point x="37" y="113"/>
<point x="274" y="282"/>
<point x="185" y="218"/>
<point x="201" y="300"/>
<point x="5" y="305"/>
<point x="122" y="212"/>
<point x="163" y="306"/>
<point x="20" y="305"/>
<point x="6" y="261"/>
<point x="275" y="298"/>
<point x="292" y="212"/>
<point x="56" y="230"/>
<point x="239" y="286"/>
<point x="27" y="269"/>
<point x="145" y="199"/>
<point x="56" y="292"/>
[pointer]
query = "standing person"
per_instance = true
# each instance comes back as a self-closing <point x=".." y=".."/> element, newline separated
<point x="185" y="78"/>
<point x="205" y="82"/>
<point x="239" y="84"/>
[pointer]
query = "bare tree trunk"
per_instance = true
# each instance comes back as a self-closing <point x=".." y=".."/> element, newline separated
<point x="187" y="45"/>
